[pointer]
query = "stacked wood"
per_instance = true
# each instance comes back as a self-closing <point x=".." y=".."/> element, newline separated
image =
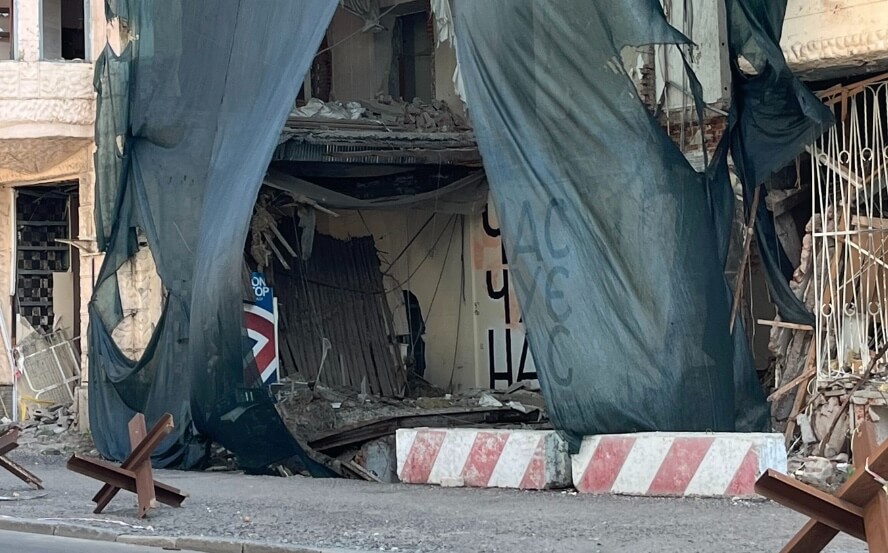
<point x="793" y="347"/>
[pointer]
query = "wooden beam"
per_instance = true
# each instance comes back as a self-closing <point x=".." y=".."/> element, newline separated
<point x="747" y="243"/>
<point x="783" y="324"/>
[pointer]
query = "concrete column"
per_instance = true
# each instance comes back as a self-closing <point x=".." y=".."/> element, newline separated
<point x="27" y="29"/>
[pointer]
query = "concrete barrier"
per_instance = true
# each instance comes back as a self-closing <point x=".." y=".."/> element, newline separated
<point x="676" y="464"/>
<point x="522" y="459"/>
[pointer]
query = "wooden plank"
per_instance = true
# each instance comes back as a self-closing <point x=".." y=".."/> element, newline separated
<point x="802" y="393"/>
<point x="806" y="376"/>
<point x="783" y="324"/>
<point x="744" y="259"/>
<point x="860" y="221"/>
<point x="832" y="511"/>
<point x="437" y="418"/>
<point x="782" y="201"/>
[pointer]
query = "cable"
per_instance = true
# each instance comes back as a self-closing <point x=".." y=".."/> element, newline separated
<point x="462" y="285"/>
<point x="410" y="243"/>
<point x="359" y="31"/>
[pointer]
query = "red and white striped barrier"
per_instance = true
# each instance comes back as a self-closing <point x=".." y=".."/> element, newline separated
<point x="523" y="459"/>
<point x="677" y="464"/>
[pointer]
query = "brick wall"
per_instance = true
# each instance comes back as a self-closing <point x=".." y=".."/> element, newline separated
<point x="687" y="135"/>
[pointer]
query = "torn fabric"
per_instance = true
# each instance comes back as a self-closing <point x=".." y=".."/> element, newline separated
<point x="188" y="117"/>
<point x="616" y="245"/>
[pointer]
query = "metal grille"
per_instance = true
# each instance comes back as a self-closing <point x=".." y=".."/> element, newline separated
<point x="849" y="168"/>
<point x="49" y="367"/>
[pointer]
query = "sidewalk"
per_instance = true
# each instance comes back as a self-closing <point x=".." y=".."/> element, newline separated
<point x="363" y="516"/>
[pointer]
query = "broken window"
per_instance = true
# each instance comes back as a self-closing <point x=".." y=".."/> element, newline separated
<point x="63" y="30"/>
<point x="44" y="278"/>
<point x="412" y="57"/>
<point x="6" y="49"/>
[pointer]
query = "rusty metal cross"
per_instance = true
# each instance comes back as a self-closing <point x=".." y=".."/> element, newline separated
<point x="859" y="508"/>
<point x="8" y="442"/>
<point x="135" y="474"/>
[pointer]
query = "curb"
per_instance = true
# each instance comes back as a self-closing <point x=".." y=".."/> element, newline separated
<point x="194" y="543"/>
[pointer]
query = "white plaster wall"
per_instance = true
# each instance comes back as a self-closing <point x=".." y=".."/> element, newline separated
<point x="827" y="38"/>
<point x="460" y="322"/>
<point x="448" y="316"/>
<point x="142" y="300"/>
<point x="445" y="65"/>
<point x="500" y="346"/>
<point x="705" y="26"/>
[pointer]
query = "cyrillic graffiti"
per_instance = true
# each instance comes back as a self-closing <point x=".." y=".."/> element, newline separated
<point x="502" y="340"/>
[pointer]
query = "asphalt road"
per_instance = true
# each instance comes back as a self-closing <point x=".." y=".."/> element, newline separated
<point x="362" y="516"/>
<point x="16" y="542"/>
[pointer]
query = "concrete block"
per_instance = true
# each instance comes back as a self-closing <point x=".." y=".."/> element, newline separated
<point x="165" y="542"/>
<point x="85" y="532"/>
<point x="380" y="458"/>
<point x="523" y="459"/>
<point x="210" y="545"/>
<point x="677" y="464"/>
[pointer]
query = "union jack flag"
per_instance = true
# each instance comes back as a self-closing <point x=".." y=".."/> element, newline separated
<point x="262" y="331"/>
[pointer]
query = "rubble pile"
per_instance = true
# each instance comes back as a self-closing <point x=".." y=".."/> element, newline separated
<point x="353" y="433"/>
<point x="387" y="112"/>
<point x="816" y="414"/>
<point x="50" y="430"/>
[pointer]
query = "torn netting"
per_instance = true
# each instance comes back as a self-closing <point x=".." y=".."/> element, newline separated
<point x="776" y="116"/>
<point x="188" y="117"/>
<point x="617" y="246"/>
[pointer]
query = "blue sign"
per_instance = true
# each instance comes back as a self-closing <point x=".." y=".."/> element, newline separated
<point x="263" y="293"/>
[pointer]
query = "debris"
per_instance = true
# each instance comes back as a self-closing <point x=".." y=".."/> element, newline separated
<point x="818" y="472"/>
<point x="135" y="474"/>
<point x="383" y="112"/>
<point x="380" y="459"/>
<point x="488" y="400"/>
<point x="867" y="521"/>
<point x="804" y="423"/>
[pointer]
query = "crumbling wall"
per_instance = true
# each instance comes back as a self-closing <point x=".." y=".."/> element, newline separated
<point x="456" y="267"/>
<point x="432" y="268"/>
<point x="142" y="299"/>
<point x="361" y="63"/>
<point x="76" y="165"/>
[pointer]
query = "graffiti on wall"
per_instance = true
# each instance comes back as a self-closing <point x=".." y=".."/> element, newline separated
<point x="504" y="348"/>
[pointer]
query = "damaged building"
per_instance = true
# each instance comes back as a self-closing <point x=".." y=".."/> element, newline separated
<point x="376" y="288"/>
